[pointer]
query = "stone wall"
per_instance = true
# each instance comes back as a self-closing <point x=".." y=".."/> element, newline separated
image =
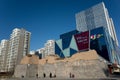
<point x="26" y="70"/>
<point x="89" y="69"/>
<point x="82" y="65"/>
<point x="32" y="70"/>
<point x="20" y="71"/>
<point x="80" y="69"/>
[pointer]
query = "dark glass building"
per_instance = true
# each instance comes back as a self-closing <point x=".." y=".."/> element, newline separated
<point x="74" y="41"/>
<point x="98" y="42"/>
<point x="68" y="34"/>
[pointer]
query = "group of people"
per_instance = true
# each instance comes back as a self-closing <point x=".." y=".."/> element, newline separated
<point x="51" y="76"/>
<point x="72" y="75"/>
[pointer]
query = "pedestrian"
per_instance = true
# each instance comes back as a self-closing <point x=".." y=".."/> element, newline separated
<point x="50" y="75"/>
<point x="70" y="75"/>
<point x="44" y="75"/>
<point x="37" y="75"/>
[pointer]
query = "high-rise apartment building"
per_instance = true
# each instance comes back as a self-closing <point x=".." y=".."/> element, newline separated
<point x="94" y="17"/>
<point x="18" y="47"/>
<point x="49" y="47"/>
<point x="3" y="54"/>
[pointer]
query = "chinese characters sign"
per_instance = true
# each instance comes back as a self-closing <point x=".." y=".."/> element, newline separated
<point x="82" y="40"/>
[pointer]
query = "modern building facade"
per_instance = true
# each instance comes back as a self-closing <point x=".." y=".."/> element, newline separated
<point x="3" y="54"/>
<point x="68" y="34"/>
<point x="98" y="42"/>
<point x="83" y="41"/>
<point x="66" y="45"/>
<point x="18" y="47"/>
<point x="95" y="17"/>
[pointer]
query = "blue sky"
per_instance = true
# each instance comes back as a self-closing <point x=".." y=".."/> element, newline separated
<point x="47" y="19"/>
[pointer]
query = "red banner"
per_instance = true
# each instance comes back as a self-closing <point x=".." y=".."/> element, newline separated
<point x="82" y="40"/>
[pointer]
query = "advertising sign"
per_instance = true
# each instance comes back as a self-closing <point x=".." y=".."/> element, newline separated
<point x="82" y="40"/>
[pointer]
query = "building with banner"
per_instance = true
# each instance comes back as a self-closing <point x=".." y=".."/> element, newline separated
<point x="94" y="30"/>
<point x="95" y="17"/>
<point x="83" y="41"/>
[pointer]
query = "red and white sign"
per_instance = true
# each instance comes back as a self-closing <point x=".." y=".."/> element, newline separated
<point x="82" y="40"/>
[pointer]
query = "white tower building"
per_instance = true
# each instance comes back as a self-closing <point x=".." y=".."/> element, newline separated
<point x="50" y="47"/>
<point x="3" y="54"/>
<point x="18" y="47"/>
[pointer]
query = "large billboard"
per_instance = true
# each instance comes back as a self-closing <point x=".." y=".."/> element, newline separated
<point x="82" y="40"/>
